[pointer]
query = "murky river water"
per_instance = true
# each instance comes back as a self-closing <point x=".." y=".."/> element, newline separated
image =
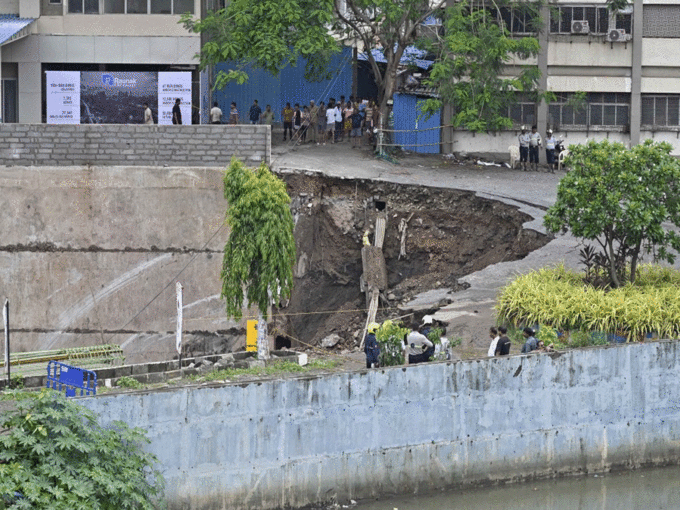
<point x="648" y="489"/>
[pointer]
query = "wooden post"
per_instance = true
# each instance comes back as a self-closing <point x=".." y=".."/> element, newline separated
<point x="5" y="316"/>
<point x="178" y="334"/>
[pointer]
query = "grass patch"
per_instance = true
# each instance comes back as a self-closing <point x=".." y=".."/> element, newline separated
<point x="559" y="298"/>
<point x="280" y="367"/>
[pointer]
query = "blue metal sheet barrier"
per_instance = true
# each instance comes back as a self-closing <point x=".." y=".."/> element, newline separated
<point x="63" y="377"/>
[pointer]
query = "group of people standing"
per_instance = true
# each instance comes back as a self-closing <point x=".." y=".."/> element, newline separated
<point x="255" y="114"/>
<point x="529" y="148"/>
<point x="329" y="123"/>
<point x="333" y="122"/>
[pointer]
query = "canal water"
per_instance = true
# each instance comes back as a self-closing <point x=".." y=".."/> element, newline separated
<point x="647" y="489"/>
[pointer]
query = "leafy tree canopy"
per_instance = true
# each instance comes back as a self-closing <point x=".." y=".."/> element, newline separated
<point x="468" y="71"/>
<point x="54" y="453"/>
<point x="260" y="252"/>
<point x="620" y="198"/>
<point x="269" y="34"/>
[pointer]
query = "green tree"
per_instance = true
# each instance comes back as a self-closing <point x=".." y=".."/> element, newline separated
<point x="389" y="26"/>
<point x="471" y="58"/>
<point x="623" y="199"/>
<point x="56" y="455"/>
<point x="268" y="34"/>
<point x="257" y="267"/>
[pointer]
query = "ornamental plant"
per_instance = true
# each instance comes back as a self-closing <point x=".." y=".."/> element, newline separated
<point x="54" y="454"/>
<point x="559" y="298"/>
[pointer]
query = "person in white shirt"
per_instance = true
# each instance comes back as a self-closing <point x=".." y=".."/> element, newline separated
<point x="534" y="144"/>
<point x="493" y="334"/>
<point x="215" y="114"/>
<point x="524" y="140"/>
<point x="550" y="144"/>
<point x="338" y="121"/>
<point x="330" y="123"/>
<point x="148" y="116"/>
<point x="418" y="346"/>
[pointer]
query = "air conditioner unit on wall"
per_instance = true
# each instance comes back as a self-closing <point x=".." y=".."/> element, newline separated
<point x="618" y="35"/>
<point x="580" y="27"/>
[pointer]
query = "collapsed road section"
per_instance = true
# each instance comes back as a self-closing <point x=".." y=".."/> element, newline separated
<point x="432" y="237"/>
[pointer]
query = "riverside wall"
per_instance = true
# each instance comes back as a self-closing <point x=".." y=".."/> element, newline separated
<point x="353" y="435"/>
<point x="133" y="145"/>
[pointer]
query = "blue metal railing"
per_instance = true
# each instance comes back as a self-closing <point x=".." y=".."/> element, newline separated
<point x="63" y="377"/>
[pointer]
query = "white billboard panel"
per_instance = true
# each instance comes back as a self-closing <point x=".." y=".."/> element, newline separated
<point x="171" y="86"/>
<point x="63" y="97"/>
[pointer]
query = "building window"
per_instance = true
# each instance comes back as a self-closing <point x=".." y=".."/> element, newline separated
<point x="131" y="6"/>
<point x="523" y="111"/>
<point x="599" y="19"/>
<point x="55" y="2"/>
<point x="660" y="111"/>
<point x="661" y="21"/>
<point x="519" y="20"/>
<point x="600" y="109"/>
<point x="83" y="6"/>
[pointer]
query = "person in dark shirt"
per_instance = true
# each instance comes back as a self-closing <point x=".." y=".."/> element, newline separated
<point x="503" y="345"/>
<point x="371" y="346"/>
<point x="176" y="112"/>
<point x="254" y="113"/>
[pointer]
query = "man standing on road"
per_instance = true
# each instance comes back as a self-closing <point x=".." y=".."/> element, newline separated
<point x="254" y="113"/>
<point x="321" y="123"/>
<point x="524" y="140"/>
<point x="176" y="112"/>
<point x="215" y="114"/>
<point x="313" y="121"/>
<point x="148" y="116"/>
<point x="534" y="145"/>
<point x="287" y="115"/>
<point x="233" y="114"/>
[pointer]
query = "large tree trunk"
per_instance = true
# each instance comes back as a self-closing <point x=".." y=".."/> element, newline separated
<point x="262" y="340"/>
<point x="634" y="261"/>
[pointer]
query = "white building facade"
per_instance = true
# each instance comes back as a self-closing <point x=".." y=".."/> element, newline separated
<point x="37" y="36"/>
<point x="624" y="71"/>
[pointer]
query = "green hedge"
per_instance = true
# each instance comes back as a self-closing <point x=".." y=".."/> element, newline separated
<point x="559" y="298"/>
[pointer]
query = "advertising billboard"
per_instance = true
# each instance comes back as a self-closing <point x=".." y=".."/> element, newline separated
<point x="103" y="97"/>
<point x="63" y="97"/>
<point x="117" y="98"/>
<point x="173" y="86"/>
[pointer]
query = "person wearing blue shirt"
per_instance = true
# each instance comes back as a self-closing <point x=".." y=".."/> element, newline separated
<point x="531" y="344"/>
<point x="254" y="113"/>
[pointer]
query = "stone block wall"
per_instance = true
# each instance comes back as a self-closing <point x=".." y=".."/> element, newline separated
<point x="128" y="145"/>
<point x="293" y="442"/>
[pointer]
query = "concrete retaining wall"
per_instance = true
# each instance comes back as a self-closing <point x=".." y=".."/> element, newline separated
<point x="84" y="250"/>
<point x="114" y="144"/>
<point x="294" y="442"/>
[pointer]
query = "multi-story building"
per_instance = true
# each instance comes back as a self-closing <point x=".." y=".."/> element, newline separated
<point x="613" y="76"/>
<point x="37" y="36"/>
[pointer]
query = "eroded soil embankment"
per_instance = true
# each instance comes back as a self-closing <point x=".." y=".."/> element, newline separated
<point x="449" y="234"/>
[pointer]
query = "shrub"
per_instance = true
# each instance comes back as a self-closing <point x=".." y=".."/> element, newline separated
<point x="390" y="336"/>
<point x="559" y="298"/>
<point x="54" y="454"/>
